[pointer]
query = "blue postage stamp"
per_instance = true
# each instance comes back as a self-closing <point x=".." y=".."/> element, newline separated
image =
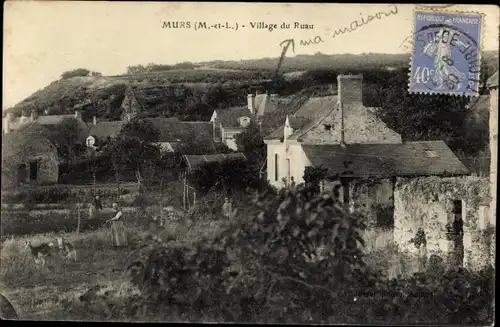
<point x="446" y="57"/>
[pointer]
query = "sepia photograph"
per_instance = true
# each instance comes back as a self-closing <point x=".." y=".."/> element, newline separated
<point x="218" y="162"/>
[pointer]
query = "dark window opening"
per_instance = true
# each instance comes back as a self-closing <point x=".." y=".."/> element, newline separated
<point x="458" y="231"/>
<point x="385" y="216"/>
<point x="33" y="170"/>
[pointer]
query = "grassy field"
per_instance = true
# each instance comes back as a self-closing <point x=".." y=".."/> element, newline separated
<point x="40" y="293"/>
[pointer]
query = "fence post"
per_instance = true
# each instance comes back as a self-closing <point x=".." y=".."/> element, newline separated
<point x="78" y="205"/>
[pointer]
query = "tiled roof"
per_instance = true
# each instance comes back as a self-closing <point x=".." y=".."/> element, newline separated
<point x="265" y="103"/>
<point x="356" y="119"/>
<point x="492" y="82"/>
<point x="105" y="129"/>
<point x="174" y="130"/>
<point x="229" y="117"/>
<point x="385" y="160"/>
<point x="193" y="161"/>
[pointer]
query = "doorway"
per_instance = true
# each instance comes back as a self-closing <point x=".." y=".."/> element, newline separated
<point x="33" y="170"/>
<point x="458" y="231"/>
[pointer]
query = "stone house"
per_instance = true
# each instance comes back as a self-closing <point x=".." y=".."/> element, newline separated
<point x="29" y="155"/>
<point x="336" y="120"/>
<point x="227" y="123"/>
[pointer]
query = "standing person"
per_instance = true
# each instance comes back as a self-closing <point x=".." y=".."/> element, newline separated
<point x="97" y="203"/>
<point x="227" y="208"/>
<point x="118" y="232"/>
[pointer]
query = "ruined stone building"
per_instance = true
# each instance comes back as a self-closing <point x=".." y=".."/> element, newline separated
<point x="397" y="186"/>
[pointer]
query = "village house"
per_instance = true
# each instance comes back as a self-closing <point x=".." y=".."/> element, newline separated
<point x="29" y="155"/>
<point x="29" y="149"/>
<point x="397" y="186"/>
<point x="230" y="122"/>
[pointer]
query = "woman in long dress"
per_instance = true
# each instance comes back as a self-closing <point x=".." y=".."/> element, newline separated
<point x="118" y="232"/>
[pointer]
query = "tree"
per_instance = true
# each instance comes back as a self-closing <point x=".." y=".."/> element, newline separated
<point x="141" y="128"/>
<point x="131" y="153"/>
<point x="66" y="136"/>
<point x="423" y="117"/>
<point x="251" y="143"/>
<point x="75" y="73"/>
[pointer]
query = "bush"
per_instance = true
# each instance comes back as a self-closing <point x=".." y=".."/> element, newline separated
<point x="298" y="258"/>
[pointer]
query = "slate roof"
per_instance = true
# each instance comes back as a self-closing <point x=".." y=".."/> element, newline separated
<point x="316" y="109"/>
<point x="386" y="160"/>
<point x="492" y="82"/>
<point x="104" y="129"/>
<point x="194" y="161"/>
<point x="229" y="117"/>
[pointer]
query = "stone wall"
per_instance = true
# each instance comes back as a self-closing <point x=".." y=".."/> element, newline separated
<point x="427" y="203"/>
<point x="373" y="200"/>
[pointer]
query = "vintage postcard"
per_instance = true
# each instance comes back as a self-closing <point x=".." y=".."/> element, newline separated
<point x="249" y="162"/>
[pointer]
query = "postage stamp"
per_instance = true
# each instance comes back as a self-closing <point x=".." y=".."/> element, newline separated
<point x="446" y="56"/>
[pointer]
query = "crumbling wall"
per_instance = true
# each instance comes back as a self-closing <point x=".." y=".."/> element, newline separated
<point x="427" y="203"/>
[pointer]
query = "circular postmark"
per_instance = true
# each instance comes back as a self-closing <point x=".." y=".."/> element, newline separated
<point x="445" y="59"/>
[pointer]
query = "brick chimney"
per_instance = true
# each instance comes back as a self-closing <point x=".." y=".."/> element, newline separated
<point x="251" y="103"/>
<point x="350" y="90"/>
<point x="94" y="120"/>
<point x="78" y="114"/>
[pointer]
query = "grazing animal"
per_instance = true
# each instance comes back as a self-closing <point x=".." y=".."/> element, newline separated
<point x="7" y="311"/>
<point x="65" y="248"/>
<point x="40" y="252"/>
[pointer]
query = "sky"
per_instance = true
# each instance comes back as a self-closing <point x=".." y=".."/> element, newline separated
<point x="43" y="39"/>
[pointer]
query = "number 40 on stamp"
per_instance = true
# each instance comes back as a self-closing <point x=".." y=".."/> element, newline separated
<point x="446" y="57"/>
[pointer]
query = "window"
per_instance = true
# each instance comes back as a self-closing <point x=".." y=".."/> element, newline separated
<point x="33" y="170"/>
<point x="276" y="167"/>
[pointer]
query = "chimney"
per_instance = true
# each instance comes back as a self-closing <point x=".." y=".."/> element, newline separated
<point x="350" y="94"/>
<point x="350" y="90"/>
<point x="78" y="114"/>
<point x="94" y="120"/>
<point x="251" y="103"/>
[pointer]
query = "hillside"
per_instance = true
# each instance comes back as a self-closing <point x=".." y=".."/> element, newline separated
<point x="193" y="93"/>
